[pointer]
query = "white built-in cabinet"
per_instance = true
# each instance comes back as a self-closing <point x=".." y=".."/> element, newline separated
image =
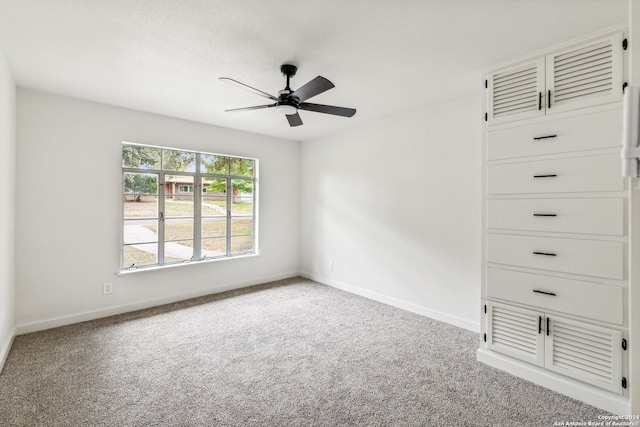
<point x="583" y="351"/>
<point x="555" y="221"/>
<point x="574" y="77"/>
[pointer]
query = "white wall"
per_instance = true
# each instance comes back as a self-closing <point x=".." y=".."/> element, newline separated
<point x="395" y="206"/>
<point x="68" y="224"/>
<point x="7" y="207"/>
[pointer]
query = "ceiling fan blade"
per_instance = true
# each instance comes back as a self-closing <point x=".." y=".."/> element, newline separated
<point x="257" y="107"/>
<point x="252" y="89"/>
<point x="294" y="120"/>
<point x="328" y="109"/>
<point x="313" y="88"/>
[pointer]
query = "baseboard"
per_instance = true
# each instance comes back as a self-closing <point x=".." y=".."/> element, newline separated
<point x="6" y="348"/>
<point x="85" y="316"/>
<point x="395" y="302"/>
<point x="601" y="399"/>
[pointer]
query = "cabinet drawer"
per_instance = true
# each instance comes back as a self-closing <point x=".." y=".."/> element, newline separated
<point x="579" y="174"/>
<point x="587" y="299"/>
<point x="587" y="132"/>
<point x="590" y="216"/>
<point x="577" y="256"/>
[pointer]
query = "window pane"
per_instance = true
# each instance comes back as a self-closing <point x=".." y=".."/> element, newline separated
<point x="140" y="231"/>
<point x="134" y="156"/>
<point x="241" y="167"/>
<point x="214" y="198"/>
<point x="218" y="165"/>
<point x="214" y="187"/>
<point x="178" y="187"/>
<point x="178" y="251"/>
<point x="214" y="247"/>
<point x="179" y="161"/>
<point x="241" y="244"/>
<point x="178" y="229"/>
<point x="179" y="206"/>
<point x="241" y="226"/>
<point x="214" y="205"/>
<point x="242" y="206"/>
<point x="214" y="227"/>
<point x="242" y="187"/>
<point x="139" y="255"/>
<point x="137" y="185"/>
<point x="145" y="206"/>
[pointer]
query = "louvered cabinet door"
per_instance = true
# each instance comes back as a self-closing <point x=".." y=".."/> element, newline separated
<point x="586" y="75"/>
<point x="584" y="352"/>
<point x="516" y="332"/>
<point x="516" y="92"/>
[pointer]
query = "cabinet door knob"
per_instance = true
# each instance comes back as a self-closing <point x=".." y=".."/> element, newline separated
<point x="553" y="175"/>
<point x="548" y="329"/>
<point x="541" y="214"/>
<point x="539" y="324"/>
<point x="539" y="101"/>
<point x="544" y="253"/>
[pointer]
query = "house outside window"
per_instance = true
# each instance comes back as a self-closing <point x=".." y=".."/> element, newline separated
<point x="182" y="206"/>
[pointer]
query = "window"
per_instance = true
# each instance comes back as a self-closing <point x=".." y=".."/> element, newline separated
<point x="182" y="206"/>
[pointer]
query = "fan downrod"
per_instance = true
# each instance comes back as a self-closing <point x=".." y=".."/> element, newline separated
<point x="289" y="71"/>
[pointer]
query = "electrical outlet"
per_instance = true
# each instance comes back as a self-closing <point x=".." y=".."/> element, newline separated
<point x="106" y="288"/>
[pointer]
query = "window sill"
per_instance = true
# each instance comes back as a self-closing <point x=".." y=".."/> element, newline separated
<point x="183" y="264"/>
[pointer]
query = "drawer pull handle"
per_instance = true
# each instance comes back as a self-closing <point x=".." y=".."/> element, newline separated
<point x="538" y="138"/>
<point x="544" y="253"/>
<point x="545" y="176"/>
<point x="538" y="214"/>
<point x="544" y="292"/>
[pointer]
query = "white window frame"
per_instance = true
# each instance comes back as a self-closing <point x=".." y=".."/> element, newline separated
<point x="197" y="191"/>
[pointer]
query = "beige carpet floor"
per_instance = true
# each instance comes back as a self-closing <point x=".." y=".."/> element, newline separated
<point x="288" y="353"/>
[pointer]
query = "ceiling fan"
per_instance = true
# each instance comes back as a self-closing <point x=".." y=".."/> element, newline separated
<point x="288" y="102"/>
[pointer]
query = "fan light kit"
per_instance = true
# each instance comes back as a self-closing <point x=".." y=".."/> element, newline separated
<point x="286" y="109"/>
<point x="288" y="102"/>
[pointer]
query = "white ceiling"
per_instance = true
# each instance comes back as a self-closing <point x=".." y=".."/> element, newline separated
<point x="384" y="57"/>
